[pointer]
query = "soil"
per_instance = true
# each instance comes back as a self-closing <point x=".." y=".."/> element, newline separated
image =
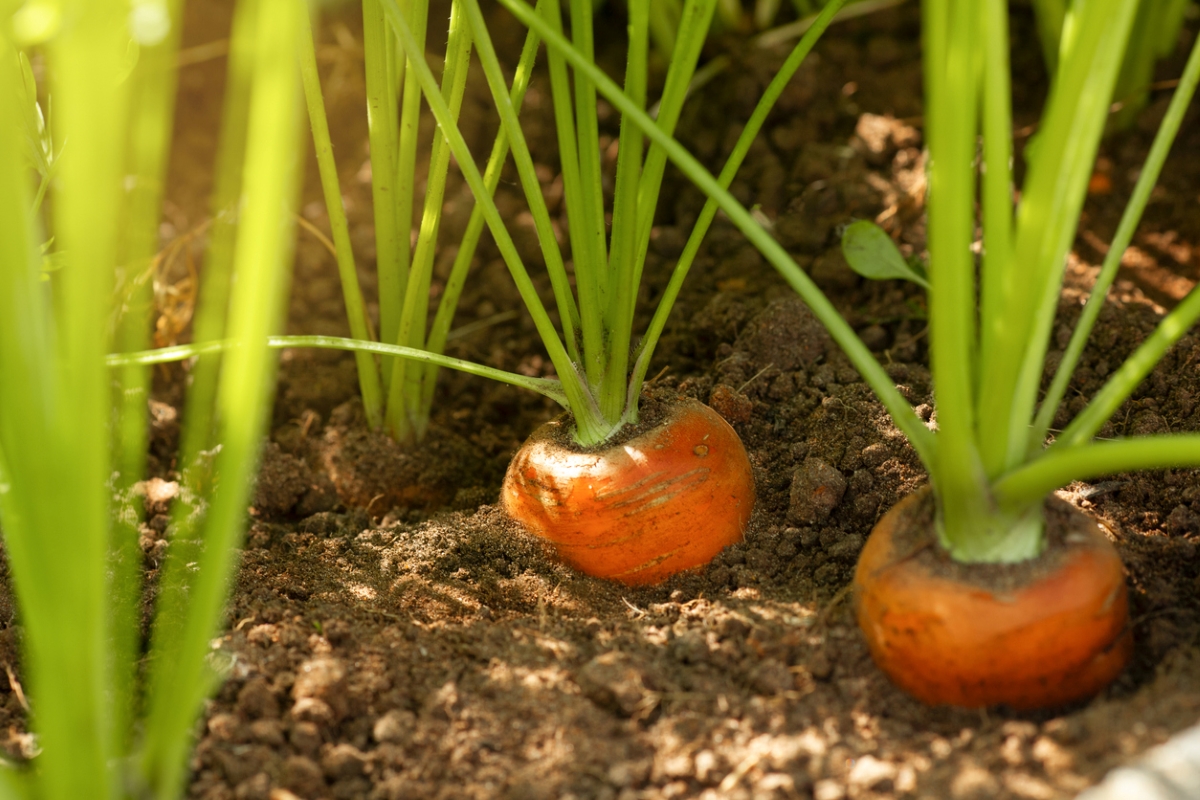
<point x="392" y="635"/>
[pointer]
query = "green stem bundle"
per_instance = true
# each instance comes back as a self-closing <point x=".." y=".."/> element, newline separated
<point x="108" y="727"/>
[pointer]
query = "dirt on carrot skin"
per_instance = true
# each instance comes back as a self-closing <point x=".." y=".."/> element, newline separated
<point x="387" y="643"/>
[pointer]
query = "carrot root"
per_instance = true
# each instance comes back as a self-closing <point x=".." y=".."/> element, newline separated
<point x="1058" y="637"/>
<point x="667" y="500"/>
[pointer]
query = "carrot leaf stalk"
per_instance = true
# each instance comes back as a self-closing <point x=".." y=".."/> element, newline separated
<point x="398" y="395"/>
<point x="112" y="717"/>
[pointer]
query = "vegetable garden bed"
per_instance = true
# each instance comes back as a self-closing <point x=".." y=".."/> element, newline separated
<point x="392" y="635"/>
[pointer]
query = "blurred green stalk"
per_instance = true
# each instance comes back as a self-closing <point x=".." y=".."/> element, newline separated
<point x="76" y="572"/>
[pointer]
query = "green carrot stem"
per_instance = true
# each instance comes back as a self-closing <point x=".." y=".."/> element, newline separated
<point x="951" y="41"/>
<point x="693" y="30"/>
<point x="587" y="250"/>
<point x="618" y="316"/>
<point x="417" y="13"/>
<point x="391" y="244"/>
<point x="356" y="314"/>
<point x="905" y="418"/>
<point x="590" y="427"/>
<point x="559" y="281"/>
<point x="750" y="131"/>
<point x="404" y="393"/>
<point x="152" y="107"/>
<point x="587" y="129"/>
<point x="90" y="111"/>
<point x="470" y="241"/>
<point x="998" y="282"/>
<point x="548" y="387"/>
<point x="54" y="406"/>
<point x="1047" y="218"/>
<point x="1086" y="128"/>
<point x="180" y="674"/>
<point x="1058" y="468"/>
<point x="1087" y="427"/>
<point x="216" y="274"/>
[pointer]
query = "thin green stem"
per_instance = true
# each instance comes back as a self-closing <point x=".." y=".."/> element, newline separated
<point x="152" y="106"/>
<point x="470" y="240"/>
<point x="1112" y="261"/>
<point x="1058" y="468"/>
<point x="952" y="33"/>
<point x="741" y="148"/>
<point x="162" y="754"/>
<point x="544" y="386"/>
<point x="589" y="427"/>
<point x="1047" y="218"/>
<point x="1131" y="373"/>
<point x="587" y="130"/>
<point x="391" y="244"/>
<point x="192" y="595"/>
<point x="567" y="311"/>
<point x="70" y="658"/>
<point x="921" y="438"/>
<point x="216" y="274"/>
<point x="417" y="14"/>
<point x="1087" y="126"/>
<point x="404" y="393"/>
<point x="618" y="322"/>
<point x="693" y="32"/>
<point x="587" y="251"/>
<point x="997" y="278"/>
<point x="356" y="313"/>
<point x="54" y="407"/>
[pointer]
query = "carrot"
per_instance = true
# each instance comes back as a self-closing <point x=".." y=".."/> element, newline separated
<point x="1035" y="634"/>
<point x="667" y="500"/>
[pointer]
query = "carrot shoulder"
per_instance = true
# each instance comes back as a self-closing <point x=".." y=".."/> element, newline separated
<point x="666" y="500"/>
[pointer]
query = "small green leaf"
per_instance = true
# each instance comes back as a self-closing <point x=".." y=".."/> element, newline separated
<point x="871" y="253"/>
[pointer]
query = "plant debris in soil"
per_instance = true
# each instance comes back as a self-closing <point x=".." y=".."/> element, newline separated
<point x="392" y="635"/>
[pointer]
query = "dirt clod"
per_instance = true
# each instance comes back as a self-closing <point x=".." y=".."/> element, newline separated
<point x="817" y="488"/>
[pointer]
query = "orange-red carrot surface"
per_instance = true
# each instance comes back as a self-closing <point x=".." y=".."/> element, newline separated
<point x="1059" y="636"/>
<point x="667" y="500"/>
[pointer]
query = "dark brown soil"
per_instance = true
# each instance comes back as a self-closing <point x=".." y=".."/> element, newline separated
<point x="393" y="636"/>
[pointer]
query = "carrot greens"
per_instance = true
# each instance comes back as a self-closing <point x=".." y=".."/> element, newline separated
<point x="989" y="474"/>
<point x="112" y="718"/>
<point x="600" y="369"/>
<point x="397" y="394"/>
<point x="1154" y="36"/>
<point x="991" y="467"/>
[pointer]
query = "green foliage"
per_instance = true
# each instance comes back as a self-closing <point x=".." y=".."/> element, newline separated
<point x="871" y="253"/>
<point x="991" y="467"/>
<point x="600" y="372"/>
<point x="990" y="475"/>
<point x="1154" y="36"/>
<point x="68" y="483"/>
<point x="395" y="393"/>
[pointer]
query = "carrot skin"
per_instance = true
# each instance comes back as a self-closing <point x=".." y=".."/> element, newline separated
<point x="1059" y="638"/>
<point x="665" y="501"/>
